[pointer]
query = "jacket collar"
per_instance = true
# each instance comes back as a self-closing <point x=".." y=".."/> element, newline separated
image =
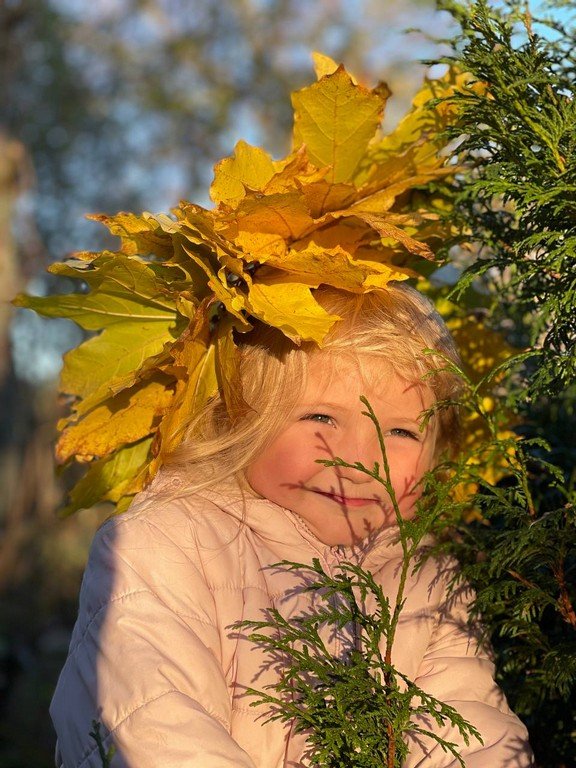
<point x="284" y="531"/>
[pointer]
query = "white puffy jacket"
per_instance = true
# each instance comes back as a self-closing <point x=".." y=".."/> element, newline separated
<point x="154" y="660"/>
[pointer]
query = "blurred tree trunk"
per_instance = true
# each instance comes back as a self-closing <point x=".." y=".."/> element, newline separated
<point x="26" y="474"/>
<point x="13" y="175"/>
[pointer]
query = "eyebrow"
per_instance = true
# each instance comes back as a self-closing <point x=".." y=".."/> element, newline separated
<point x="407" y="419"/>
<point x="422" y="424"/>
<point x="327" y="404"/>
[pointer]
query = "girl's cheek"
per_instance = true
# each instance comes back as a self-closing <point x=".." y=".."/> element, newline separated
<point x="407" y="505"/>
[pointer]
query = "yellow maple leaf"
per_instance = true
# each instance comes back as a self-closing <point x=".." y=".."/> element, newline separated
<point x="312" y="264"/>
<point x="193" y="365"/>
<point x="324" y="65"/>
<point x="291" y="307"/>
<point x="259" y="246"/>
<point x="415" y="144"/>
<point x="294" y="171"/>
<point x="382" y="200"/>
<point x="335" y="120"/>
<point x="321" y="196"/>
<point x="389" y="233"/>
<point x="250" y="168"/>
<point x="284" y="215"/>
<point x="126" y="418"/>
<point x="139" y="234"/>
<point x="228" y="370"/>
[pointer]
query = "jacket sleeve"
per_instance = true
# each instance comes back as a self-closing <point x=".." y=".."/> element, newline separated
<point x="144" y="660"/>
<point x="457" y="670"/>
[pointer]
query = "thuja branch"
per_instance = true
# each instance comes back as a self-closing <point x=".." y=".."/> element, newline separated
<point x="517" y="548"/>
<point x="409" y="546"/>
<point x="355" y="709"/>
<point x="409" y="536"/>
<point x="517" y="197"/>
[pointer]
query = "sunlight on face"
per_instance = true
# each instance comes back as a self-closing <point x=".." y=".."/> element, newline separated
<point x="342" y="505"/>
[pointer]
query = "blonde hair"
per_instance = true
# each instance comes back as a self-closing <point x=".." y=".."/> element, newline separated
<point x="396" y="325"/>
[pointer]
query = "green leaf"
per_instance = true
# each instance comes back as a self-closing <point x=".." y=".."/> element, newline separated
<point x="94" y="370"/>
<point x="110" y="479"/>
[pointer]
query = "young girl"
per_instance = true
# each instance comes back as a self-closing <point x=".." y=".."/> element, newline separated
<point x="154" y="658"/>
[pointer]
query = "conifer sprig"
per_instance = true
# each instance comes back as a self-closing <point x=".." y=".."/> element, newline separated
<point x="356" y="710"/>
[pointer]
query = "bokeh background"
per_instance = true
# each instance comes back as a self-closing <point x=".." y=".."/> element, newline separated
<point x="111" y="105"/>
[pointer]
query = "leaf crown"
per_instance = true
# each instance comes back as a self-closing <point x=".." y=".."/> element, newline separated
<point x="349" y="207"/>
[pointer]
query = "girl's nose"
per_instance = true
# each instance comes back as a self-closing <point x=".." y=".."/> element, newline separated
<point x="361" y="447"/>
<point x="353" y="475"/>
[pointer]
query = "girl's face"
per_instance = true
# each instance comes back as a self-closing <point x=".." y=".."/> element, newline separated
<point x="341" y="505"/>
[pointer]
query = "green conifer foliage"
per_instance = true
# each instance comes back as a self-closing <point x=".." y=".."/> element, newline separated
<point x="357" y="710"/>
<point x="516" y="200"/>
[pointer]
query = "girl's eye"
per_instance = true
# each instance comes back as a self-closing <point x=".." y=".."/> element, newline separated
<point x="399" y="432"/>
<point x="321" y="418"/>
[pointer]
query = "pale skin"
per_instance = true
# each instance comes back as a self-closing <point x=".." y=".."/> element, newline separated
<point x="338" y="504"/>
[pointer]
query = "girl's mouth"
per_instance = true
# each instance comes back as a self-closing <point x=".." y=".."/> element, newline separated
<point x="347" y="501"/>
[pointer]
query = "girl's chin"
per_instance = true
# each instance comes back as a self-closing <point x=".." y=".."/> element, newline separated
<point x="345" y="532"/>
